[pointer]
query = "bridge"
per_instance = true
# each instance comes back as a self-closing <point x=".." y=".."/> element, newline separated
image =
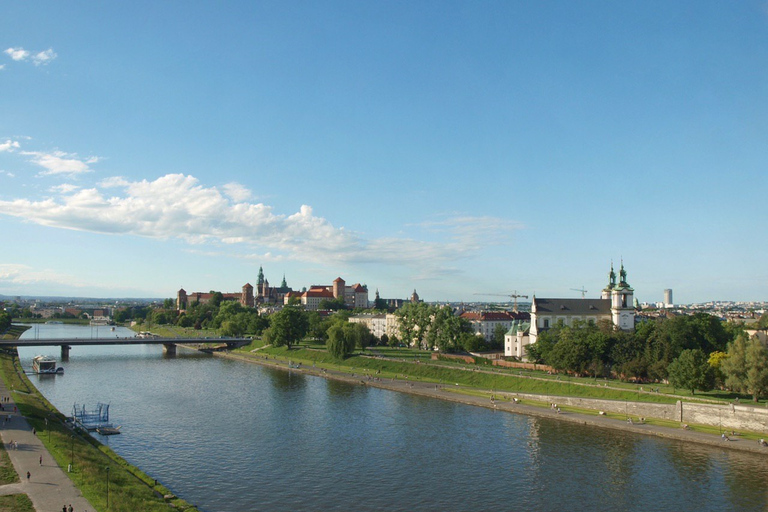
<point x="169" y="344"/>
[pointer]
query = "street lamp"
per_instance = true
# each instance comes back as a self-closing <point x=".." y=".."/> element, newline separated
<point x="107" y="487"/>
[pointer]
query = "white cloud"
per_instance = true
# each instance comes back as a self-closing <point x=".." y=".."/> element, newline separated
<point x="19" y="274"/>
<point x="2" y="67"/>
<point x="237" y="192"/>
<point x="177" y="206"/>
<point x="40" y="58"/>
<point x="9" y="145"/>
<point x="58" y="162"/>
<point x="64" y="188"/>
<point x="17" y="54"/>
<point x="44" y="57"/>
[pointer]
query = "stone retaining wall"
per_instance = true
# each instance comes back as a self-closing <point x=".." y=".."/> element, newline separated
<point x="729" y="417"/>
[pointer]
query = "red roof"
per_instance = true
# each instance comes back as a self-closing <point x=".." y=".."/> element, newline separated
<point x="493" y="316"/>
<point x="318" y="293"/>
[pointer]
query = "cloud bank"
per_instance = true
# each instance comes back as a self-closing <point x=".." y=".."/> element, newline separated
<point x="177" y="206"/>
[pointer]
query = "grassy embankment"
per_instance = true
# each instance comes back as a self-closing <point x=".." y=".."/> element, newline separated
<point x="130" y="489"/>
<point x="13" y="332"/>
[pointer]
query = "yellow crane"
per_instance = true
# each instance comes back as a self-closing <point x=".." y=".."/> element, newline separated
<point x="582" y="290"/>
<point x="514" y="296"/>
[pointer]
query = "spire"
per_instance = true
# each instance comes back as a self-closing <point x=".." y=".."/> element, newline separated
<point x="260" y="280"/>
<point x="283" y="284"/>
<point x="612" y="278"/>
<point x="623" y="276"/>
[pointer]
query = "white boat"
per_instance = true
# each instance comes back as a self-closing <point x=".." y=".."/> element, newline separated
<point x="45" y="365"/>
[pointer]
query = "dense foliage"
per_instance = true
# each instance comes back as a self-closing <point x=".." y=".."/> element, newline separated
<point x="601" y="350"/>
<point x="429" y="327"/>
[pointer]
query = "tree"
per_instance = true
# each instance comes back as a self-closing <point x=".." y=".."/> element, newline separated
<point x="716" y="363"/>
<point x="336" y="304"/>
<point x="5" y="320"/>
<point x="498" y="336"/>
<point x="339" y="344"/>
<point x="691" y="370"/>
<point x="380" y="304"/>
<point x="169" y="304"/>
<point x="746" y="367"/>
<point x="288" y="326"/>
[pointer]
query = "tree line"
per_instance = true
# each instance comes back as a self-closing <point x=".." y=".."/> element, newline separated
<point x="697" y="352"/>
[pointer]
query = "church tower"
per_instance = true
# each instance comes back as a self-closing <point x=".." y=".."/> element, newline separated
<point x="611" y="284"/>
<point x="622" y="301"/>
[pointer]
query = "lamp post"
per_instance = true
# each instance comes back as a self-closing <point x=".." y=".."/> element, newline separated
<point x="107" y="487"/>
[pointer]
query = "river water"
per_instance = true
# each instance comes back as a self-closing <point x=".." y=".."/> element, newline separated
<point x="231" y="436"/>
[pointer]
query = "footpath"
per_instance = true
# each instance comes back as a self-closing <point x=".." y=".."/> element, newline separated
<point x="48" y="486"/>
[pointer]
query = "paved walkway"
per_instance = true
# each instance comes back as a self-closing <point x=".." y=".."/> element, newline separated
<point x="48" y="486"/>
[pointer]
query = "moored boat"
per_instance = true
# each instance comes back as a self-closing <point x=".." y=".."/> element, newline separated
<point x="45" y="365"/>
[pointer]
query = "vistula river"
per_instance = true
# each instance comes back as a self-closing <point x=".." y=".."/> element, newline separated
<point x="230" y="436"/>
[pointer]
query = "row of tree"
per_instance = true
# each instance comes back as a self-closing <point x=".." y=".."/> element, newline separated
<point x="645" y="353"/>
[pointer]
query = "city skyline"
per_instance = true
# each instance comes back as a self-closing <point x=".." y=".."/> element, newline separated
<point x="454" y="149"/>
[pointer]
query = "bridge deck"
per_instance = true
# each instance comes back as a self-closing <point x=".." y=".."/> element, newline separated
<point x="72" y="342"/>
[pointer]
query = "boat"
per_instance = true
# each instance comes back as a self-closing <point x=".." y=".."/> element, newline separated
<point x="108" y="431"/>
<point x="45" y="365"/>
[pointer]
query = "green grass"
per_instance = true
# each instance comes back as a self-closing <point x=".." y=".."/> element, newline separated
<point x="14" y="331"/>
<point x="130" y="488"/>
<point x="16" y="503"/>
<point x="8" y="474"/>
<point x="428" y="371"/>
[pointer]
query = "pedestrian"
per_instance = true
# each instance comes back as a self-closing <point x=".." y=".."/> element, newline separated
<point x="34" y="432"/>
<point x="41" y="460"/>
<point x="28" y="475"/>
<point x="64" y="508"/>
<point x="70" y="509"/>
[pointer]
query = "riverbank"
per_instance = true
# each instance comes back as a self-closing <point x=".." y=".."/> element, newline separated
<point x="513" y="402"/>
<point x="129" y="488"/>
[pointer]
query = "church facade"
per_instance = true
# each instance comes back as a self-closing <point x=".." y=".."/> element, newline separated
<point x="616" y="304"/>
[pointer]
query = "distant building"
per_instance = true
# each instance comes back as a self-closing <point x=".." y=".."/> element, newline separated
<point x="184" y="299"/>
<point x="668" y="298"/>
<point x="484" y="323"/>
<point x="355" y="296"/>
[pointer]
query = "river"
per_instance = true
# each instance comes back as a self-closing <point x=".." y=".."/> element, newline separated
<point x="231" y="436"/>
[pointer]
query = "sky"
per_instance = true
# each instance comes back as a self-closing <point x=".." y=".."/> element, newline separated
<point x="455" y="148"/>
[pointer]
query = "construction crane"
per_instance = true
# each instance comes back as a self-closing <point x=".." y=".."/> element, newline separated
<point x="514" y="296"/>
<point x="582" y="290"/>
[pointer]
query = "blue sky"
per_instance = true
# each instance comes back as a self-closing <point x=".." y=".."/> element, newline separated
<point x="451" y="147"/>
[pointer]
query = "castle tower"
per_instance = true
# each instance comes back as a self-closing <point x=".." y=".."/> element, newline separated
<point x="247" y="297"/>
<point x="338" y="288"/>
<point x="622" y="302"/>
<point x="181" y="300"/>
<point x="414" y="296"/>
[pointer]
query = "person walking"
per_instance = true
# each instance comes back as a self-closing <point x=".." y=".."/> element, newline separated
<point x="41" y="460"/>
<point x="28" y="475"/>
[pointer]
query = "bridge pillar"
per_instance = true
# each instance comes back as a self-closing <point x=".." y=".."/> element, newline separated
<point x="65" y="352"/>
<point x="169" y="348"/>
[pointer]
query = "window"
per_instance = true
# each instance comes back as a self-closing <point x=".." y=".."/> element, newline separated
<point x="546" y="323"/>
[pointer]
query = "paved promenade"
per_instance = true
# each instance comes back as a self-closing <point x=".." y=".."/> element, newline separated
<point x="48" y="486"/>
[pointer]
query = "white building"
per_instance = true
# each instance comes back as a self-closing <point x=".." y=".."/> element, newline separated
<point x="616" y="305"/>
<point x="484" y="323"/>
